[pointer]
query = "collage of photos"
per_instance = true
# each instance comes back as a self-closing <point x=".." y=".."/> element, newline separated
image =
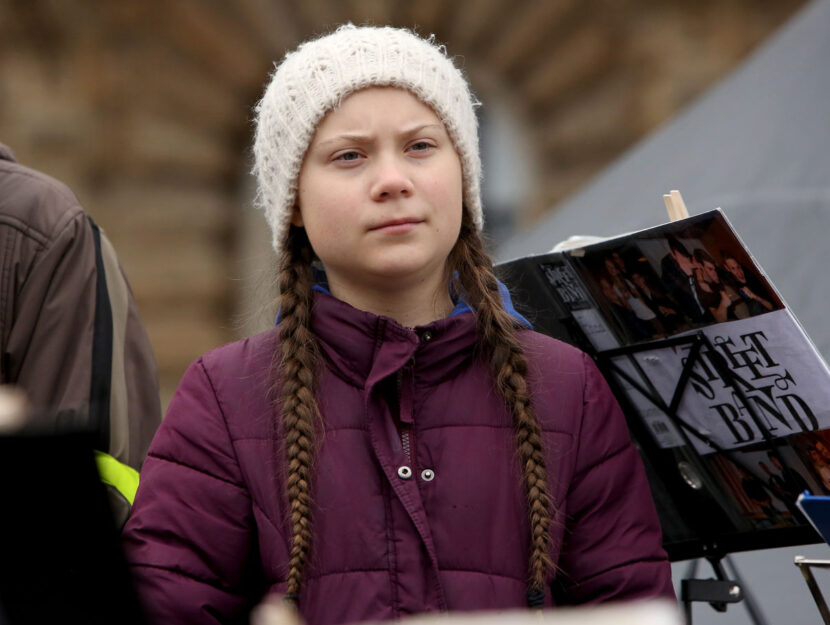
<point x="764" y="484"/>
<point x="690" y="275"/>
<point x="678" y="277"/>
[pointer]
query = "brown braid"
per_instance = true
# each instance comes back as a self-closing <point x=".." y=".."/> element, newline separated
<point x="296" y="362"/>
<point x="476" y="281"/>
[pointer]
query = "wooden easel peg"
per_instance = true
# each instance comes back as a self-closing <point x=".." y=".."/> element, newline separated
<point x="675" y="205"/>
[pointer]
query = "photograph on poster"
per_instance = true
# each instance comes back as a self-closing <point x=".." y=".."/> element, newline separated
<point x="813" y="448"/>
<point x="673" y="278"/>
<point x="763" y="484"/>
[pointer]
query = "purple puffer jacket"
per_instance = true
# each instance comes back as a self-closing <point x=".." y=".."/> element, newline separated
<point x="209" y="534"/>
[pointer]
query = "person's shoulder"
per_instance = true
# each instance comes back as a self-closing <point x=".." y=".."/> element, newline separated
<point x="544" y="351"/>
<point x="37" y="204"/>
<point x="242" y="356"/>
<point x="562" y="378"/>
<point x="233" y="380"/>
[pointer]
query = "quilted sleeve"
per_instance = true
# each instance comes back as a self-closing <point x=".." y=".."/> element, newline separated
<point x="612" y="547"/>
<point x="189" y="539"/>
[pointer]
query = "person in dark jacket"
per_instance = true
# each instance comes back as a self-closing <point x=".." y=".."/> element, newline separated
<point x="791" y="483"/>
<point x="748" y="285"/>
<point x="678" y="277"/>
<point x="718" y="298"/>
<point x="70" y="335"/>
<point x="401" y="441"/>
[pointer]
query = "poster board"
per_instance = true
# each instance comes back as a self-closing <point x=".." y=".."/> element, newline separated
<point x="727" y="398"/>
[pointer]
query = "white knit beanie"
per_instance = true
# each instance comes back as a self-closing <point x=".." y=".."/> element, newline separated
<point x="317" y="76"/>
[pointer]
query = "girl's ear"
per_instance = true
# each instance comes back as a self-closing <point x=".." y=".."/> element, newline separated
<point x="296" y="217"/>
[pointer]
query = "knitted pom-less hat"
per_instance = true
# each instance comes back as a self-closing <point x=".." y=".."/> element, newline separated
<point x="317" y="76"/>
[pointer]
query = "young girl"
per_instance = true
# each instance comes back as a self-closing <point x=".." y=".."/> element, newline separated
<point x="401" y="442"/>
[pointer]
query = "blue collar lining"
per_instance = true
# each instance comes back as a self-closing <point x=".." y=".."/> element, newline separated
<point x="461" y="307"/>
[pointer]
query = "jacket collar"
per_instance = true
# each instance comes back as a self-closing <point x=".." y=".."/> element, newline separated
<point x="363" y="348"/>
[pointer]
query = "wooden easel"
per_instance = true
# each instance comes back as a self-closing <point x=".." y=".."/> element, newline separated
<point x="675" y="205"/>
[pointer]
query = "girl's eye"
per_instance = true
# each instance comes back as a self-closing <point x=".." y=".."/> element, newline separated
<point x="347" y="157"/>
<point x="421" y="146"/>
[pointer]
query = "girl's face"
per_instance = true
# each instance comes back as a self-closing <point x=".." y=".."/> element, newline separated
<point x="735" y="269"/>
<point x="710" y="272"/>
<point x="380" y="193"/>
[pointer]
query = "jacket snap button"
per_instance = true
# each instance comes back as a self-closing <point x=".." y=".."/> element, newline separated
<point x="426" y="336"/>
<point x="404" y="472"/>
<point x="427" y="475"/>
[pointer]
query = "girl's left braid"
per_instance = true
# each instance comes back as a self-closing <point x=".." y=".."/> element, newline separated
<point x="296" y="370"/>
<point x="496" y="329"/>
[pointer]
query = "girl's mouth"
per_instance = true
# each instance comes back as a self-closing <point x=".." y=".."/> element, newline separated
<point x="397" y="226"/>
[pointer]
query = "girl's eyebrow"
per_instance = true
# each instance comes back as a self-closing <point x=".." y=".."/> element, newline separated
<point x="416" y="129"/>
<point x="346" y="138"/>
<point x="349" y="137"/>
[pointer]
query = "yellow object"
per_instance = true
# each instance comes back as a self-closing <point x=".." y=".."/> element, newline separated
<point x="117" y="474"/>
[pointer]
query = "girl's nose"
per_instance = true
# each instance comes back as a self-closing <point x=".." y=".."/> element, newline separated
<point x="391" y="182"/>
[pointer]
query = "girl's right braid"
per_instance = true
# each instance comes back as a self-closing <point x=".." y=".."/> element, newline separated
<point x="297" y="362"/>
<point x="497" y="330"/>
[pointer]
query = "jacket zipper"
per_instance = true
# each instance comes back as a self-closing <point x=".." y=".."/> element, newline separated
<point x="403" y="428"/>
<point x="405" y="442"/>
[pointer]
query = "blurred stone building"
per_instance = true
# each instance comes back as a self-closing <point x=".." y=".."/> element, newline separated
<point x="144" y="108"/>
